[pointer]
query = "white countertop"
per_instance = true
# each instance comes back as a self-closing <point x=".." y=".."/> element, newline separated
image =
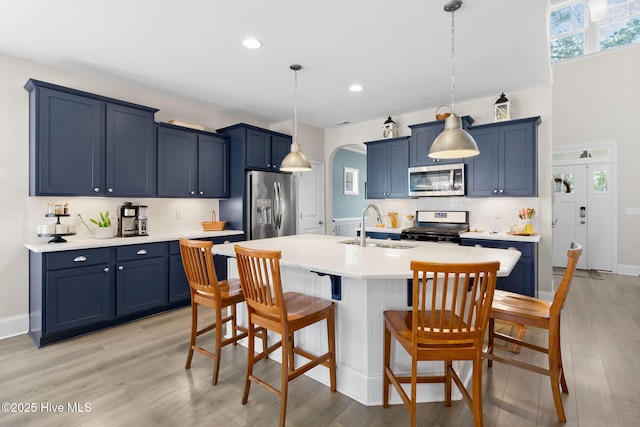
<point x="321" y="253"/>
<point x="500" y="235"/>
<point x="72" y="244"/>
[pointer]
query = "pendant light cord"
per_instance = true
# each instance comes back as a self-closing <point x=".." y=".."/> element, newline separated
<point x="453" y="64"/>
<point x="295" y="107"/>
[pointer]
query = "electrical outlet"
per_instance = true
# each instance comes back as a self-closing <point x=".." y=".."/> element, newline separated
<point x="178" y="214"/>
<point x="632" y="211"/>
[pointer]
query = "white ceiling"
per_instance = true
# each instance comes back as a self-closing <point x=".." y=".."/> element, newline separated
<point x="400" y="51"/>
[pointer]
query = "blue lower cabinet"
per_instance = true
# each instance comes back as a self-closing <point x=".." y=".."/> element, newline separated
<point x="523" y="278"/>
<point x="140" y="285"/>
<point x="77" y="297"/>
<point x="381" y="235"/>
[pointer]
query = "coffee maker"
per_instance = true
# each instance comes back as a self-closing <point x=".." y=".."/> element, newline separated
<point x="132" y="220"/>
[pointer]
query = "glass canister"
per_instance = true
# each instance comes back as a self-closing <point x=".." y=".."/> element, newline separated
<point x="393" y="216"/>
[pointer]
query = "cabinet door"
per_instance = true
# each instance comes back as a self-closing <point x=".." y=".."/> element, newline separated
<point x="177" y="163"/>
<point x="140" y="285"/>
<point x="130" y="152"/>
<point x="280" y="147"/>
<point x="213" y="166"/>
<point x="76" y="297"/>
<point x="519" y="160"/>
<point x="67" y="144"/>
<point x="377" y="173"/>
<point x="258" y="150"/>
<point x="178" y="283"/>
<point x="420" y="143"/>
<point x="398" y="155"/>
<point x="483" y="170"/>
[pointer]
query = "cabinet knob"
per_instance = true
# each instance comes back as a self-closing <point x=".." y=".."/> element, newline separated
<point x="106" y="269"/>
<point x="193" y="192"/>
<point x="110" y="190"/>
<point x="268" y="165"/>
<point x="120" y="268"/>
<point x="80" y="258"/>
<point x="501" y="191"/>
<point x="141" y="252"/>
<point x="96" y="190"/>
<point x="495" y="191"/>
<point x="201" y="193"/>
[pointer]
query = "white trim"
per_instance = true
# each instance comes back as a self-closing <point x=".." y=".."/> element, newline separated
<point x="13" y="326"/>
<point x="629" y="270"/>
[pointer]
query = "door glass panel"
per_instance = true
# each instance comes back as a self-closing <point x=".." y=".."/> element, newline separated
<point x="563" y="183"/>
<point x="600" y="182"/>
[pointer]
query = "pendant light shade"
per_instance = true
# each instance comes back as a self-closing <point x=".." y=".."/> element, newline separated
<point x="295" y="161"/>
<point x="454" y="142"/>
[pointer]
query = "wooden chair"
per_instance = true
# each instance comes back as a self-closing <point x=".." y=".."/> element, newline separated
<point x="206" y="290"/>
<point x="451" y="304"/>
<point x="283" y="313"/>
<point x="537" y="313"/>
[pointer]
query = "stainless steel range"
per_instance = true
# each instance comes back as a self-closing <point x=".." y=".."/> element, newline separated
<point x="438" y="226"/>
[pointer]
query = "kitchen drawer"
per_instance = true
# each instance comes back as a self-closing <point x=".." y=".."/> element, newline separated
<point x="79" y="258"/>
<point x="147" y="250"/>
<point x="526" y="248"/>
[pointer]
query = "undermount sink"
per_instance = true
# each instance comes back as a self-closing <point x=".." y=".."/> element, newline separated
<point x="383" y="245"/>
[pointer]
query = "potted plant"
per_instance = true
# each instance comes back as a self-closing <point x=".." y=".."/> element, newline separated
<point x="104" y="230"/>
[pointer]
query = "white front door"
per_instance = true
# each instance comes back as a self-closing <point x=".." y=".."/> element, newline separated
<point x="311" y="198"/>
<point x="583" y="212"/>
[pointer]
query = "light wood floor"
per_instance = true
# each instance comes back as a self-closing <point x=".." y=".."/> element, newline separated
<point x="134" y="375"/>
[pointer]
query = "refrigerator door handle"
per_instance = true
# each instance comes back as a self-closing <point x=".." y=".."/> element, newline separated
<point x="277" y="204"/>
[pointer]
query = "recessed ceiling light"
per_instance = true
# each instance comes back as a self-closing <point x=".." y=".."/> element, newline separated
<point x="251" y="43"/>
<point x="355" y="88"/>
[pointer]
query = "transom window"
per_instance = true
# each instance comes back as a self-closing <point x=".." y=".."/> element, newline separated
<point x="581" y="27"/>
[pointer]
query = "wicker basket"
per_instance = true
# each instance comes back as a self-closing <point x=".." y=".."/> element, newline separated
<point x="213" y="225"/>
<point x="443" y="116"/>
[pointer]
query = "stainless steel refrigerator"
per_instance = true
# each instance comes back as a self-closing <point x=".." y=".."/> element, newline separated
<point x="271" y="205"/>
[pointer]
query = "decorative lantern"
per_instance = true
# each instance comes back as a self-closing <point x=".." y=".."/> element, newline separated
<point x="389" y="129"/>
<point x="502" y="109"/>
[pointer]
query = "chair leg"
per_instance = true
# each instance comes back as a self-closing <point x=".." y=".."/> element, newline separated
<point x="234" y="324"/>
<point x="387" y="366"/>
<point x="284" y="385"/>
<point x="491" y="330"/>
<point x="218" y="354"/>
<point x="477" y="391"/>
<point x="448" y="365"/>
<point x="555" y="371"/>
<point x="250" y="360"/>
<point x="414" y="392"/>
<point x="331" y="336"/>
<point x="290" y="347"/>
<point x="194" y="328"/>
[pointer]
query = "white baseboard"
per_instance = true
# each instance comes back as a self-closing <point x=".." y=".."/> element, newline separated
<point x="629" y="270"/>
<point x="12" y="326"/>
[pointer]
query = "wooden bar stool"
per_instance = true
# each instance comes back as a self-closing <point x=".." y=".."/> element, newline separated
<point x="206" y="290"/>
<point x="537" y="313"/>
<point x="283" y="313"/>
<point x="451" y="304"/>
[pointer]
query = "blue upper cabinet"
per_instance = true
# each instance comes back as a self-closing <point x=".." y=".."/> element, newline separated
<point x="82" y="144"/>
<point x="387" y="168"/>
<point x="422" y="137"/>
<point x="255" y="148"/>
<point x="192" y="163"/>
<point x="507" y="165"/>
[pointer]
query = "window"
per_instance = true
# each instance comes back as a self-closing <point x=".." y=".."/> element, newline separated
<point x="572" y="32"/>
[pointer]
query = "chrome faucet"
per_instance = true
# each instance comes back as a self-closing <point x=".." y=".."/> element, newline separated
<point x="363" y="233"/>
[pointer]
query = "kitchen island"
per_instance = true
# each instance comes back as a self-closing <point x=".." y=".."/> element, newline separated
<point x="371" y="280"/>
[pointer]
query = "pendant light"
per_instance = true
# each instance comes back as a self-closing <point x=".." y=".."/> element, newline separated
<point x="295" y="161"/>
<point x="454" y="142"/>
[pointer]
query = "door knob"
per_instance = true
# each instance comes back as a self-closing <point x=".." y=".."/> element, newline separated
<point x="320" y="222"/>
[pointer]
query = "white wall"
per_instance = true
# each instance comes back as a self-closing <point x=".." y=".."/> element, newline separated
<point x="489" y="213"/>
<point x="596" y="99"/>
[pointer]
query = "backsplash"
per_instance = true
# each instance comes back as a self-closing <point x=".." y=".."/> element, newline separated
<point x="162" y="214"/>
<point x="491" y="213"/>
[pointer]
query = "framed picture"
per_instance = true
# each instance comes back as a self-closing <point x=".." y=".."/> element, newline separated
<point x="351" y="182"/>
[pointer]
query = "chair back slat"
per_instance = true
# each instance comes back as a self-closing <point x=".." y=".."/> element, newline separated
<point x="259" y="272"/>
<point x="197" y="260"/>
<point x="560" y="296"/>
<point x="452" y="301"/>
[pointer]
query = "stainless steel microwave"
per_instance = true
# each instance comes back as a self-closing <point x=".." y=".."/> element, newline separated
<point x="440" y="180"/>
